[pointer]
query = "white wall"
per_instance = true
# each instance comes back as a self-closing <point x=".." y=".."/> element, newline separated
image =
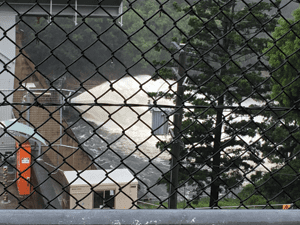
<point x="7" y="54"/>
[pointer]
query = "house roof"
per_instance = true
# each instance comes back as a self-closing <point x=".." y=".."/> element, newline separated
<point x="94" y="177"/>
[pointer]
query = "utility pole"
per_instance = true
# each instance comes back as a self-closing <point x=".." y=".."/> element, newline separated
<point x="177" y="143"/>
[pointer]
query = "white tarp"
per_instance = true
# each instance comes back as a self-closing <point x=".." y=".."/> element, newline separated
<point x="136" y="120"/>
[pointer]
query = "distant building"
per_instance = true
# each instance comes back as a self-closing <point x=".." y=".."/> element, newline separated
<point x="97" y="189"/>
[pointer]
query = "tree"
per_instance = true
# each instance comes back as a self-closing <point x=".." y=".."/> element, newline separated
<point x="145" y="22"/>
<point x="283" y="54"/>
<point x="224" y="69"/>
<point x="280" y="135"/>
<point x="279" y="145"/>
<point x="282" y="183"/>
<point x="89" y="47"/>
<point x="61" y="48"/>
<point x="251" y="197"/>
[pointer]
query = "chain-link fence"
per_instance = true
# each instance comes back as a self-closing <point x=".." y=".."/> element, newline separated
<point x="149" y="104"/>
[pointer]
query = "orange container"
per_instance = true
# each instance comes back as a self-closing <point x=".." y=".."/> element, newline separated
<point x="23" y="166"/>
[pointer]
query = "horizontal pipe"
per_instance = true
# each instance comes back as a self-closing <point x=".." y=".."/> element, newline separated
<point x="38" y="89"/>
<point x="160" y="216"/>
<point x="57" y="10"/>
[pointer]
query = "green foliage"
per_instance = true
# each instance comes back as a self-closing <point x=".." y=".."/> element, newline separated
<point x="236" y="203"/>
<point x="282" y="184"/>
<point x="279" y="144"/>
<point x="229" y="202"/>
<point x="220" y="75"/>
<point x="149" y="26"/>
<point x="284" y="58"/>
<point x="100" y="46"/>
<point x="249" y="196"/>
<point x="280" y="141"/>
<point x="202" y="203"/>
<point x="61" y="48"/>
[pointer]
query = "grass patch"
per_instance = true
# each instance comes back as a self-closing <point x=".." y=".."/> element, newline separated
<point x="204" y="203"/>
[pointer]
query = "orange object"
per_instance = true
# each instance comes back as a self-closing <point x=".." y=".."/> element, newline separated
<point x="23" y="166"/>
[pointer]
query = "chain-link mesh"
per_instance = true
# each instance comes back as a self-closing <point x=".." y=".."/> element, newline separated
<point x="149" y="104"/>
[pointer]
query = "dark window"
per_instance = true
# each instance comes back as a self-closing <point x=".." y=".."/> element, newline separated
<point x="110" y="199"/>
<point x="98" y="199"/>
<point x="104" y="199"/>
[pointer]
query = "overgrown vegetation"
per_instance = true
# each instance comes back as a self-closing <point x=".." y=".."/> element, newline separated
<point x="255" y="202"/>
<point x="98" y="48"/>
<point x="222" y="70"/>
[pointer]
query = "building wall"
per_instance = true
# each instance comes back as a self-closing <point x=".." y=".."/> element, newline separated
<point x="17" y="75"/>
<point x="47" y="120"/>
<point x="124" y="202"/>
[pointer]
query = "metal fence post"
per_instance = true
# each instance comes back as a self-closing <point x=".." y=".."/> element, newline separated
<point x="5" y="196"/>
<point x="176" y="147"/>
<point x="28" y="108"/>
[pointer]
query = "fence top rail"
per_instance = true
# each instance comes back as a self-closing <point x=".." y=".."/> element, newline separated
<point x="140" y="217"/>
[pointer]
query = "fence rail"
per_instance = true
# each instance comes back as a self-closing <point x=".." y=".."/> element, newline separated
<point x="150" y="217"/>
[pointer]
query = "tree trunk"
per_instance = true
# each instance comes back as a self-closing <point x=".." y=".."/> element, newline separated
<point x="215" y="185"/>
<point x="176" y="147"/>
<point x="214" y="190"/>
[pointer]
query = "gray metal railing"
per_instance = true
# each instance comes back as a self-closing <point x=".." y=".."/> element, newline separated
<point x="203" y="217"/>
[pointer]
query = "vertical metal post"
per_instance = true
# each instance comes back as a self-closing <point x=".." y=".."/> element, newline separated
<point x="60" y="129"/>
<point x="184" y="205"/>
<point x="39" y="157"/>
<point x="28" y="108"/>
<point x="61" y="100"/>
<point x="176" y="147"/>
<point x="60" y="117"/>
<point x="5" y="197"/>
